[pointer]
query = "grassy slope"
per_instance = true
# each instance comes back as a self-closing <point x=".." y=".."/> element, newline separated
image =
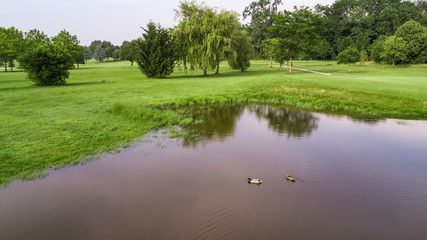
<point x="43" y="127"/>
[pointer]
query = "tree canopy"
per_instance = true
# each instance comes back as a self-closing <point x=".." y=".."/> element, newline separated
<point x="11" y="41"/>
<point x="46" y="60"/>
<point x="204" y="36"/>
<point x="261" y="14"/>
<point x="295" y="27"/>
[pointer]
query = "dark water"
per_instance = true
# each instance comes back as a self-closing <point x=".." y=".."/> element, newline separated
<point x="356" y="179"/>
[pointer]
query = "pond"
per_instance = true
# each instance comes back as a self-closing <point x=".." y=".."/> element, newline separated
<point x="355" y="179"/>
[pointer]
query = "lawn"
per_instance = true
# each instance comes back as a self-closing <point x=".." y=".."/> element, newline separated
<point x="105" y="106"/>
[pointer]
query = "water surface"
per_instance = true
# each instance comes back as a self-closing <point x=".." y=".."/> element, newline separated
<point x="356" y="179"/>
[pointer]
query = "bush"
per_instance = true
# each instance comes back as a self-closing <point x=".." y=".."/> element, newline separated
<point x="47" y="64"/>
<point x="350" y="56"/>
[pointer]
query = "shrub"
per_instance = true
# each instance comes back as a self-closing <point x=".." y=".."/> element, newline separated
<point x="47" y="64"/>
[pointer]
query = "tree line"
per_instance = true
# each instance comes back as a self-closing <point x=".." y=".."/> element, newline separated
<point x="357" y="27"/>
<point x="389" y="31"/>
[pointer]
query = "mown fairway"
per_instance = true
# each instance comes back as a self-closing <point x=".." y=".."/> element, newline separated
<point x="105" y="106"/>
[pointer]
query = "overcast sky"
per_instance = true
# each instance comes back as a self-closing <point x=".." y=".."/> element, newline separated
<point x="111" y="20"/>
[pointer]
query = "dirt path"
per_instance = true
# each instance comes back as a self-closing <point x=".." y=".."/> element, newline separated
<point x="306" y="70"/>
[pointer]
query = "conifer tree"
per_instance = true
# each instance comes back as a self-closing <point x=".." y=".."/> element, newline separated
<point x="156" y="52"/>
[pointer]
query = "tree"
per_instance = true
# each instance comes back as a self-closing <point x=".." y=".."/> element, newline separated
<point x="11" y="41"/>
<point x="416" y="37"/>
<point x="377" y="48"/>
<point x="239" y="56"/>
<point x="86" y="54"/>
<point x="294" y="28"/>
<point x="116" y="54"/>
<point x="46" y="62"/>
<point x="156" y="55"/>
<point x="261" y="14"/>
<point x="128" y="51"/>
<point x="267" y="49"/>
<point x="71" y="43"/>
<point x="93" y="45"/>
<point x="348" y="56"/>
<point x="203" y="35"/>
<point x="99" y="53"/>
<point x="280" y="51"/>
<point x="108" y="52"/>
<point x="394" y="49"/>
<point x="309" y="49"/>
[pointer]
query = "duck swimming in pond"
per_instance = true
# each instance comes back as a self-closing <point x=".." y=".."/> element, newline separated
<point x="289" y="177"/>
<point x="255" y="180"/>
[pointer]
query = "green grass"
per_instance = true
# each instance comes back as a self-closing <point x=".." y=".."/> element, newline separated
<point x="105" y="106"/>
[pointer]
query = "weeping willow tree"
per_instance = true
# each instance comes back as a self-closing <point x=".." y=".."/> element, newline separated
<point x="204" y="36"/>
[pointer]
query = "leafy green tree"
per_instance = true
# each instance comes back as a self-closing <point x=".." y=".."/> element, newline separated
<point x="309" y="49"/>
<point x="108" y="52"/>
<point x="93" y="45"/>
<point x="11" y="41"/>
<point x="156" y="55"/>
<point x="71" y="43"/>
<point x="86" y="54"/>
<point x="47" y="62"/>
<point x="348" y="56"/>
<point x="416" y="37"/>
<point x="128" y="51"/>
<point x="261" y="14"/>
<point x="99" y="53"/>
<point x="295" y="27"/>
<point x="377" y="48"/>
<point x="239" y="55"/>
<point x="280" y="51"/>
<point x="203" y="35"/>
<point x="325" y="50"/>
<point x="116" y="54"/>
<point x="267" y="46"/>
<point x="394" y="49"/>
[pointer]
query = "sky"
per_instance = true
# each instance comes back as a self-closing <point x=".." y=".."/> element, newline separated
<point x="110" y="20"/>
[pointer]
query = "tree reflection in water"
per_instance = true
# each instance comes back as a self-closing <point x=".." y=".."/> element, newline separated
<point x="219" y="122"/>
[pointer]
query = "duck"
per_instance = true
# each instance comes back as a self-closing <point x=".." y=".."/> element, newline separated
<point x="255" y="180"/>
<point x="289" y="177"/>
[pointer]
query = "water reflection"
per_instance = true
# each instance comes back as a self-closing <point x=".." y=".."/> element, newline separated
<point x="219" y="122"/>
<point x="294" y="123"/>
<point x="353" y="181"/>
<point x="216" y="122"/>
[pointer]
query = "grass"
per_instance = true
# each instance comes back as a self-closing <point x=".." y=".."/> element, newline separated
<point x="105" y="106"/>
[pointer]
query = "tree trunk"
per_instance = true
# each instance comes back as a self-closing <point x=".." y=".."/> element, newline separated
<point x="131" y="63"/>
<point x="348" y="68"/>
<point x="78" y="66"/>
<point x="205" y="72"/>
<point x="306" y="62"/>
<point x="290" y="66"/>
<point x="280" y="66"/>
<point x="217" y="68"/>
<point x="271" y="61"/>
<point x="5" y="66"/>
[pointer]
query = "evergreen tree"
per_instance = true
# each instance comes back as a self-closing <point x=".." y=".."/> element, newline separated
<point x="156" y="52"/>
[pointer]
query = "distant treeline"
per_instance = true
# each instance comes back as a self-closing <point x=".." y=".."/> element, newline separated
<point x="389" y="31"/>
